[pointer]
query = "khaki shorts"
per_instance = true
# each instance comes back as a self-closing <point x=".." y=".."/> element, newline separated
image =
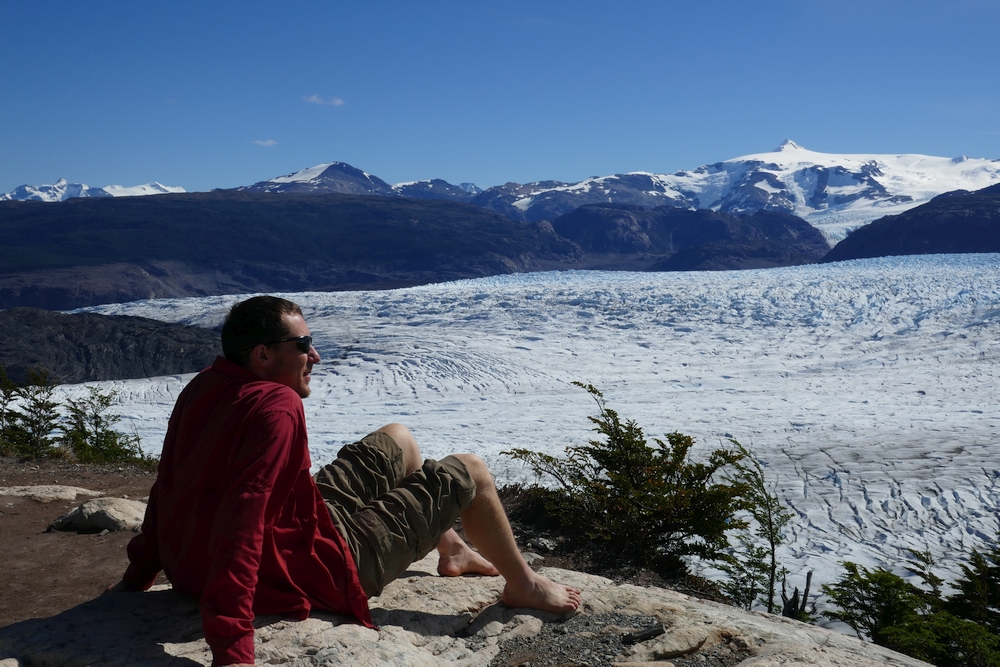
<point x="389" y="520"/>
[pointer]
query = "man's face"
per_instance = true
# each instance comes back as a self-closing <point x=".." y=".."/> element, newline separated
<point x="286" y="364"/>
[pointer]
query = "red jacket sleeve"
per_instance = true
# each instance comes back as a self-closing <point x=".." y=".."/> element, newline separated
<point x="238" y="534"/>
<point x="144" y="551"/>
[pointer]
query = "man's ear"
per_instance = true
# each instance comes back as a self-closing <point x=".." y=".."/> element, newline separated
<point x="259" y="356"/>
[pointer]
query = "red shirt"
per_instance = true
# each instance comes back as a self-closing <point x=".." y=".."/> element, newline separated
<point x="235" y="517"/>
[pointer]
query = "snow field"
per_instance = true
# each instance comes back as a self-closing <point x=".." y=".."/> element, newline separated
<point x="867" y="388"/>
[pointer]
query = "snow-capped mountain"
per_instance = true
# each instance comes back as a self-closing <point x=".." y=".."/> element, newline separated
<point x="834" y="192"/>
<point x="342" y="178"/>
<point x="58" y="191"/>
<point x="61" y="191"/>
<point x="153" y="188"/>
<point x="330" y="177"/>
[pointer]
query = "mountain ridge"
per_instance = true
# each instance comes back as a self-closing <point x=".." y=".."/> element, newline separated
<point x="834" y="192"/>
<point x="953" y="222"/>
<point x="103" y="250"/>
<point x="62" y="190"/>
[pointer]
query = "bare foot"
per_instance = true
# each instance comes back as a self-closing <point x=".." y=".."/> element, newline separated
<point x="457" y="558"/>
<point x="463" y="560"/>
<point x="542" y="593"/>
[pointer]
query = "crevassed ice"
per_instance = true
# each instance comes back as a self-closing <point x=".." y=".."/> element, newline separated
<point x="868" y="388"/>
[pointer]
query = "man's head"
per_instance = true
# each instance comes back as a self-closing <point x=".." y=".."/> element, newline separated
<point x="267" y="336"/>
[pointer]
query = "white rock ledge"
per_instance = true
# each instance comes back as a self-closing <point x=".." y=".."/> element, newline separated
<point x="420" y="616"/>
<point x="46" y="493"/>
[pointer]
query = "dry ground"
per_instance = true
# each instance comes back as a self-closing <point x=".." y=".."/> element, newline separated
<point x="42" y="574"/>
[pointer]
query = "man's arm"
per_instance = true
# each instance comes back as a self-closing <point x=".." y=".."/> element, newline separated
<point x="238" y="535"/>
<point x="144" y="551"/>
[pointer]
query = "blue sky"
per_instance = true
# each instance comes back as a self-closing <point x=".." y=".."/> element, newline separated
<point x="220" y="94"/>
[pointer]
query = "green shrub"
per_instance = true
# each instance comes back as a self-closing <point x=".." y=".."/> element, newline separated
<point x="978" y="597"/>
<point x="8" y="415"/>
<point x="90" y="435"/>
<point x="641" y="504"/>
<point x="747" y="573"/>
<point x="870" y="601"/>
<point x="757" y="571"/>
<point x="955" y="632"/>
<point x="30" y="417"/>
<point x="945" y="640"/>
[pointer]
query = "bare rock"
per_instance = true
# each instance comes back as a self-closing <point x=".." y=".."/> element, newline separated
<point x="48" y="492"/>
<point x="86" y="347"/>
<point x="103" y="514"/>
<point x="425" y="620"/>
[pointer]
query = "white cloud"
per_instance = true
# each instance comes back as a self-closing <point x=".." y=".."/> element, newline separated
<point x="265" y="142"/>
<point x="332" y="102"/>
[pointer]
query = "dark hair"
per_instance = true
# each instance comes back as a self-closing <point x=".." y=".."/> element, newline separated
<point x="257" y="320"/>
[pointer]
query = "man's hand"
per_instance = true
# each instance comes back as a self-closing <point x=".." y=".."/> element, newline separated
<point x="115" y="588"/>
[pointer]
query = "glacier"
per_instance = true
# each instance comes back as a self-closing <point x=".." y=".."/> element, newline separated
<point x="867" y="388"/>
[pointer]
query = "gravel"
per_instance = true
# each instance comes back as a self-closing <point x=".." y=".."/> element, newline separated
<point x="595" y="640"/>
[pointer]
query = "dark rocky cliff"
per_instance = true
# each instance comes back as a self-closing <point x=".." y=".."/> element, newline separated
<point x="954" y="222"/>
<point x="685" y="240"/>
<point x="85" y="347"/>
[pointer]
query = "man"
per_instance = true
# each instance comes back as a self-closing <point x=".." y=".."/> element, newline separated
<point x="236" y="519"/>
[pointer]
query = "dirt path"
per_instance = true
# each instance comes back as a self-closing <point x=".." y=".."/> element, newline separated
<point x="42" y="574"/>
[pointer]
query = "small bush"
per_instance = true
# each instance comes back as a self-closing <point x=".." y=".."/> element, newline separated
<point x="90" y="435"/>
<point x="748" y="573"/>
<point x="959" y="631"/>
<point x="8" y="415"/>
<point x="978" y="598"/>
<point x="644" y="505"/>
<point x="758" y="570"/>
<point x="870" y="601"/>
<point x="29" y="417"/>
<point x="944" y="640"/>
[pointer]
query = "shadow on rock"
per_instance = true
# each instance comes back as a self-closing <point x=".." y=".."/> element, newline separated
<point x="127" y="628"/>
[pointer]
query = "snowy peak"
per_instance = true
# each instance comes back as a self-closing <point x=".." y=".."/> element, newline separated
<point x="834" y="192"/>
<point x="61" y="190"/>
<point x="342" y="178"/>
<point x="436" y="189"/>
<point x="330" y="177"/>
<point x="787" y="145"/>
<point x="58" y="191"/>
<point x="153" y="188"/>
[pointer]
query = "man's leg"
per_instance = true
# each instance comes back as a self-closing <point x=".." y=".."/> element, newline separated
<point x="372" y="467"/>
<point x="485" y="523"/>
<point x="403" y="524"/>
<point x="455" y="558"/>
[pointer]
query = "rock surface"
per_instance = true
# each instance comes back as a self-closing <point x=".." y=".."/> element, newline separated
<point x="950" y="223"/>
<point x="46" y="493"/>
<point x="110" y="514"/>
<point x="430" y="620"/>
<point x="86" y="347"/>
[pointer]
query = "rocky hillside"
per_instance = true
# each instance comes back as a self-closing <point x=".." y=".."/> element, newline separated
<point x="87" y="251"/>
<point x="86" y="347"/>
<point x="954" y="222"/>
<point x="674" y="239"/>
<point x="834" y="192"/>
<point x="427" y="620"/>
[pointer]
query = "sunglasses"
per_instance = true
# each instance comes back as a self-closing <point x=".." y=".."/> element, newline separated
<point x="302" y="343"/>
